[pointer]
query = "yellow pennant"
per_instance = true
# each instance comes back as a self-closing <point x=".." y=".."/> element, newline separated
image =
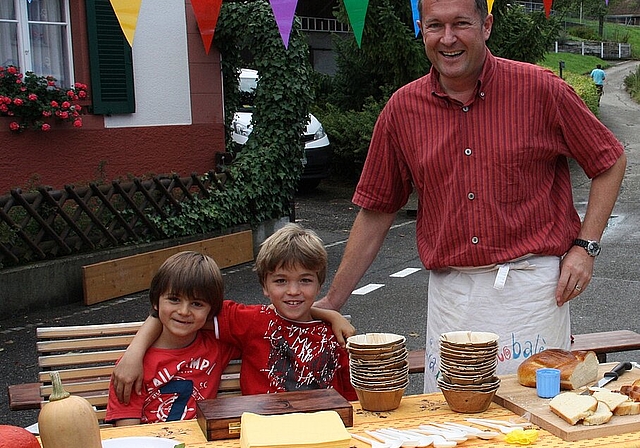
<point x="127" y="13"/>
<point x="489" y="5"/>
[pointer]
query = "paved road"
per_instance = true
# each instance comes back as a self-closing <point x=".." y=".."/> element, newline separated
<point x="399" y="306"/>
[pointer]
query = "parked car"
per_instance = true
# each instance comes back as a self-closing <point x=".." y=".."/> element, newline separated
<point x="317" y="148"/>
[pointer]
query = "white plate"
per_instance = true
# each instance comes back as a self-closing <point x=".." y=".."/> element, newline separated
<point x="140" y="442"/>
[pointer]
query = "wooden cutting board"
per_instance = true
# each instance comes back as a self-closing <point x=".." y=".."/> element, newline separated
<point x="219" y="418"/>
<point x="524" y="400"/>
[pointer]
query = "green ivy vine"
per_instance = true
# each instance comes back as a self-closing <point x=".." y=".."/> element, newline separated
<point x="263" y="176"/>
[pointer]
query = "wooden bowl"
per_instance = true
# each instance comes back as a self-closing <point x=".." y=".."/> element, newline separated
<point x="467" y="402"/>
<point x="477" y="338"/>
<point x="371" y="340"/>
<point x="379" y="400"/>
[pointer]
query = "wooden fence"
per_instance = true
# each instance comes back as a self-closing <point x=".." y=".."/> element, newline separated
<point x="603" y="50"/>
<point x="51" y="223"/>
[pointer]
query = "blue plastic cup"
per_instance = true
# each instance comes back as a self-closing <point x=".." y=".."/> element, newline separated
<point x="547" y="382"/>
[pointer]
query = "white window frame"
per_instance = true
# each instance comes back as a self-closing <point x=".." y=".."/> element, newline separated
<point x="24" y="38"/>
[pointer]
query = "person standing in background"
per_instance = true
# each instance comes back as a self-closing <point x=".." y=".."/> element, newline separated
<point x="598" y="75"/>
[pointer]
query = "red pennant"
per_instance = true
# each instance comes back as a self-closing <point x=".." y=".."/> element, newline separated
<point x="547" y="7"/>
<point x="207" y="12"/>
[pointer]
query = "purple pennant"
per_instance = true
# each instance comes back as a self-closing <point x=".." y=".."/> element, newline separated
<point x="357" y="11"/>
<point x="283" y="10"/>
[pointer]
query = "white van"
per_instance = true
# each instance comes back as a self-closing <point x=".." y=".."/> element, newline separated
<point x="317" y="149"/>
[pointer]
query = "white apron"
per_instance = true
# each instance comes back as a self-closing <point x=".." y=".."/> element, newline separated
<point x="515" y="300"/>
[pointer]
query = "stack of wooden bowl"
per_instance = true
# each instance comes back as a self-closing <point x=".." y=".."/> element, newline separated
<point x="468" y="362"/>
<point x="379" y="369"/>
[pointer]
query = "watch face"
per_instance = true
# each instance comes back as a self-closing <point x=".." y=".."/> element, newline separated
<point x="593" y="248"/>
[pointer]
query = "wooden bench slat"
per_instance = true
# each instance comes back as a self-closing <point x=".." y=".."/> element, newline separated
<point x="84" y="344"/>
<point x="77" y="388"/>
<point x="78" y="374"/>
<point x="52" y="361"/>
<point x="79" y="331"/>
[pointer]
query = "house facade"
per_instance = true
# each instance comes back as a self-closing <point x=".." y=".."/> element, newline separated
<point x="153" y="108"/>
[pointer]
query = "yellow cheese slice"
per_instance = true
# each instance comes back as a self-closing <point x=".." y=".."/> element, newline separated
<point x="296" y="430"/>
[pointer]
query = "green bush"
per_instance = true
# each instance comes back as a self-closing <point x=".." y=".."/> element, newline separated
<point x="350" y="134"/>
<point x="584" y="32"/>
<point x="632" y="84"/>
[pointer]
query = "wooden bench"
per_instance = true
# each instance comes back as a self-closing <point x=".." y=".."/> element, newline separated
<point x="85" y="356"/>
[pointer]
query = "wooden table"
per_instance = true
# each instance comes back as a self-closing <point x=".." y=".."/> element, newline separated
<point x="413" y="411"/>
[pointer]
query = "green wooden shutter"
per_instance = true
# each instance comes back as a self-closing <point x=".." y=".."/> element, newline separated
<point x="112" y="90"/>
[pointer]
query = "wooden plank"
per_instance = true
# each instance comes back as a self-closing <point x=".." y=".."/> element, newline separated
<point x="79" y="331"/>
<point x="524" y="400"/>
<point x="84" y="344"/>
<point x="128" y="275"/>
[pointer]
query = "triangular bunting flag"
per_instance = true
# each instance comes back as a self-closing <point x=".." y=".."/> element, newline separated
<point x="284" y="10"/>
<point x="547" y="7"/>
<point x="127" y="14"/>
<point x="415" y="15"/>
<point x="207" y="13"/>
<point x="357" y="11"/>
<point x="489" y="5"/>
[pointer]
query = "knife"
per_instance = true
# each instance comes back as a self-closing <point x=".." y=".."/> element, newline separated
<point x="613" y="374"/>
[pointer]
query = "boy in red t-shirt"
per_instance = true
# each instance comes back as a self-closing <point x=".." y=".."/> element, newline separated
<point x="184" y="364"/>
<point x="283" y="347"/>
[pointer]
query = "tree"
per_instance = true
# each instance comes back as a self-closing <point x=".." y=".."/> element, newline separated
<point x="520" y="35"/>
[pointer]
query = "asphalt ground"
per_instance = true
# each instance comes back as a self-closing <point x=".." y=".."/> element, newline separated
<point x="609" y="303"/>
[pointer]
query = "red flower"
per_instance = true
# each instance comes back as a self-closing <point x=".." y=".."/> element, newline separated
<point x="45" y="127"/>
<point x="18" y="101"/>
<point x="12" y="70"/>
<point x="46" y="113"/>
<point x="14" y="126"/>
<point x="66" y="105"/>
<point x="77" y="123"/>
<point x="64" y="115"/>
<point x="33" y="97"/>
<point x="54" y="104"/>
<point x="82" y="94"/>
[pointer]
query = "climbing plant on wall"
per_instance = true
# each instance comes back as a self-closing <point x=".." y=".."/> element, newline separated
<point x="264" y="175"/>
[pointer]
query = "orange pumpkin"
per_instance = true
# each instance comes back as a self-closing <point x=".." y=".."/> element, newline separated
<point x="16" y="437"/>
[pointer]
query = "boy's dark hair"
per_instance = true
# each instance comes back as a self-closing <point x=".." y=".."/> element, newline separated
<point x="188" y="274"/>
<point x="292" y="246"/>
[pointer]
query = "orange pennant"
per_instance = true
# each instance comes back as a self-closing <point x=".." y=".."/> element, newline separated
<point x="207" y="12"/>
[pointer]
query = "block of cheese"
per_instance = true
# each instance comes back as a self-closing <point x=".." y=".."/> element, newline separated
<point x="323" y="429"/>
<point x="577" y="368"/>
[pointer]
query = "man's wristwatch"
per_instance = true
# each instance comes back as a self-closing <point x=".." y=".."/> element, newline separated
<point x="592" y="247"/>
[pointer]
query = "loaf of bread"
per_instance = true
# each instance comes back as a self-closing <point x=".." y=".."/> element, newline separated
<point x="601" y="416"/>
<point x="632" y="390"/>
<point x="610" y="398"/>
<point x="572" y="407"/>
<point x="628" y="407"/>
<point x="577" y="368"/>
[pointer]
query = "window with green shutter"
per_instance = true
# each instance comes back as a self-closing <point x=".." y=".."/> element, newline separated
<point x="110" y="60"/>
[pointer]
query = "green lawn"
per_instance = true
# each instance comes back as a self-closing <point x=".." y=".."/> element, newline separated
<point x="574" y="63"/>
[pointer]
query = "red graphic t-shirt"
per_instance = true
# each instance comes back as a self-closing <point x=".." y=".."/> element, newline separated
<point x="279" y="355"/>
<point x="174" y="379"/>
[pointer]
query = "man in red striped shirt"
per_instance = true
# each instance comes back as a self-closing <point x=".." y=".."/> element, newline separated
<point x="485" y="143"/>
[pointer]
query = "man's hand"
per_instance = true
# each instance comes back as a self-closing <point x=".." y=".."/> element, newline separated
<point x="576" y="270"/>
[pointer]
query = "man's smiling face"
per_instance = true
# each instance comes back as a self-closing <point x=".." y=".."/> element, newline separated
<point x="454" y="36"/>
